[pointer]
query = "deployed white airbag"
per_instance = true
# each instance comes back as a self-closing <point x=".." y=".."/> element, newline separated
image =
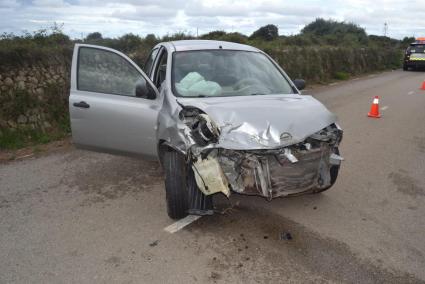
<point x="194" y="84"/>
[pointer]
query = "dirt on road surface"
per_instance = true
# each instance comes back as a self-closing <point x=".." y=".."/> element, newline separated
<point x="72" y="216"/>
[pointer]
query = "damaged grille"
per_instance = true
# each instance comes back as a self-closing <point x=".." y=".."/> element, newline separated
<point x="271" y="173"/>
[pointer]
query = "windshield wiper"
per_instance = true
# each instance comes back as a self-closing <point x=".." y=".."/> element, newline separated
<point x="195" y="96"/>
<point x="257" y="94"/>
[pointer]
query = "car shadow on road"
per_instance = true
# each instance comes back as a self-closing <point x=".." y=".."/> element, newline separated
<point x="258" y="244"/>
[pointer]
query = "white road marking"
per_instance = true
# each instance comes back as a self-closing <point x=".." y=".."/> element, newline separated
<point x="411" y="93"/>
<point x="384" y="107"/>
<point x="180" y="224"/>
<point x="355" y="79"/>
<point x="371" y="75"/>
<point x="25" y="156"/>
<point x="333" y="84"/>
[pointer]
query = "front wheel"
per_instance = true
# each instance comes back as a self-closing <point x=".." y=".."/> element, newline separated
<point x="175" y="184"/>
<point x="405" y="68"/>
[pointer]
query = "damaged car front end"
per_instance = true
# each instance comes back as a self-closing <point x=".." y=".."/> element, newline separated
<point x="292" y="150"/>
<point x="241" y="125"/>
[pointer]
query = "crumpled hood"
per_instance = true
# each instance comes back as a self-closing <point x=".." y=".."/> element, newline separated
<point x="263" y="122"/>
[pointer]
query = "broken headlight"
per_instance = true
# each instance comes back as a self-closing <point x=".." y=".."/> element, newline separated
<point x="204" y="130"/>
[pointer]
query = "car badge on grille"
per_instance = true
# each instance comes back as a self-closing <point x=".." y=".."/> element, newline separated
<point x="285" y="136"/>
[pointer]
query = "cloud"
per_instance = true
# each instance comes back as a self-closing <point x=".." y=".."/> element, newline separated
<point x="8" y="4"/>
<point x="49" y="3"/>
<point x="142" y="13"/>
<point x="114" y="18"/>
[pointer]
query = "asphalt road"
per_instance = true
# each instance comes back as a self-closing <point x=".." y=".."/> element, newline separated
<point x="73" y="216"/>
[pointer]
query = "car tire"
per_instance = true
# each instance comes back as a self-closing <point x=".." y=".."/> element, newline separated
<point x="176" y="191"/>
<point x="334" y="175"/>
<point x="405" y="68"/>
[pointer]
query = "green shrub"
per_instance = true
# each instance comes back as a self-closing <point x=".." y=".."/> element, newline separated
<point x="341" y="75"/>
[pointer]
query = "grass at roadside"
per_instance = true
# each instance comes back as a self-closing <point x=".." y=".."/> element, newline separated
<point x="341" y="76"/>
<point x="15" y="139"/>
<point x="35" y="150"/>
<point x="12" y="139"/>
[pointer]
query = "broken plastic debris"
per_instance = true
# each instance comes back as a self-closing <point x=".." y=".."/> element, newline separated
<point x="288" y="154"/>
<point x="285" y="236"/>
<point x="335" y="159"/>
<point x="210" y="177"/>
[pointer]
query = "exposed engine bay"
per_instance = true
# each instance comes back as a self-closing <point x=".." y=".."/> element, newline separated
<point x="280" y="171"/>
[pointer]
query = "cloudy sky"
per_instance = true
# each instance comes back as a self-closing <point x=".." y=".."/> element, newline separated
<point x="114" y="18"/>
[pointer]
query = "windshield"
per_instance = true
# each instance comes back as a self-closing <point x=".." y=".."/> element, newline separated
<point x="416" y="48"/>
<point x="214" y="73"/>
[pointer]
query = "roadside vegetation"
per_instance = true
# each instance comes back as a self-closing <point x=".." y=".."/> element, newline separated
<point x="324" y="50"/>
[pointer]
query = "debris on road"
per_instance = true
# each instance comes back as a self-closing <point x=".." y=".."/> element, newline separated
<point x="285" y="236"/>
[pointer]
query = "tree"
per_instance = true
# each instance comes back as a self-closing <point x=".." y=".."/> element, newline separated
<point x="322" y="27"/>
<point x="128" y="42"/>
<point x="333" y="32"/>
<point x="268" y="32"/>
<point x="214" y="35"/>
<point x="151" y="40"/>
<point x="407" y="40"/>
<point x="93" y="36"/>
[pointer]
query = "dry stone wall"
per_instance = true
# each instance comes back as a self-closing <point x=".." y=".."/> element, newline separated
<point x="33" y="96"/>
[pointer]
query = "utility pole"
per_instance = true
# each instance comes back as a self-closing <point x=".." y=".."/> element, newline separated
<point x="385" y="29"/>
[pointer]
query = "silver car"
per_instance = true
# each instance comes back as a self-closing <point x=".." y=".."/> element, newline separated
<point x="219" y="116"/>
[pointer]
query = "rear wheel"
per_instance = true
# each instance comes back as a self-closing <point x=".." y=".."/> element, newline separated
<point x="175" y="184"/>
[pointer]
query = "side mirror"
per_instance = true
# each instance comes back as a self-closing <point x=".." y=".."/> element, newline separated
<point x="144" y="91"/>
<point x="300" y="84"/>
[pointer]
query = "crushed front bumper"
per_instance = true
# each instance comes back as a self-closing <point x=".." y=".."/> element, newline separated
<point x="281" y="173"/>
<point x="415" y="63"/>
<point x="286" y="171"/>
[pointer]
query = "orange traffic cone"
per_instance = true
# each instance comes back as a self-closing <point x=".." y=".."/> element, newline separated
<point x="374" y="109"/>
<point x="423" y="86"/>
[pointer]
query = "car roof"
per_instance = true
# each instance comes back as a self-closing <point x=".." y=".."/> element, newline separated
<point x="184" y="45"/>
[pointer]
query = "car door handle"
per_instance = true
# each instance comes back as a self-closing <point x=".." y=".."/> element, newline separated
<point x="82" y="104"/>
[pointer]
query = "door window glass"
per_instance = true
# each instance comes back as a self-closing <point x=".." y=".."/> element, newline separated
<point x="148" y="65"/>
<point x="161" y="69"/>
<point x="102" y="71"/>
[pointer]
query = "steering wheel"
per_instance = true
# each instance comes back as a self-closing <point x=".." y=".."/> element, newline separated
<point x="251" y="86"/>
<point x="246" y="82"/>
